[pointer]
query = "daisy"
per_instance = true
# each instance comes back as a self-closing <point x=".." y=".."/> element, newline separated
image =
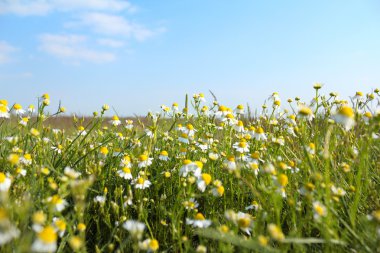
<point x="184" y="138"/>
<point x="115" y="121"/>
<point x="125" y="173"/>
<point x="239" y="127"/>
<point x="141" y="183"/>
<point x="150" y="245"/>
<point x="144" y="161"/>
<point x="100" y="199"/>
<point x="58" y="203"/>
<point x="305" y="112"/>
<point x="194" y="168"/>
<point x="126" y="162"/>
<point x="260" y="134"/>
<point x="203" y="181"/>
<point x="244" y="222"/>
<point x="60" y="226"/>
<point x="129" y="124"/>
<point x="24" y="121"/>
<point x="346" y="117"/>
<point x="135" y="228"/>
<point x="46" y="240"/>
<point x="164" y="156"/>
<point x="4" y="111"/>
<point x="175" y="107"/>
<point x="191" y="204"/>
<point x="319" y="210"/>
<point x="18" y="109"/>
<point x="31" y="109"/>
<point x="239" y="109"/>
<point x="199" y="221"/>
<point x="230" y="163"/>
<point x="5" y="182"/>
<point x="241" y="147"/>
<point x="8" y="232"/>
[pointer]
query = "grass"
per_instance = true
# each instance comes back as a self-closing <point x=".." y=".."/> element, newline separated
<point x="200" y="178"/>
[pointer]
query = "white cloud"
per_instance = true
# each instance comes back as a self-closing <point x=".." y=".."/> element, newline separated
<point x="5" y="52"/>
<point x="43" y="7"/>
<point x="73" y="48"/>
<point x="110" y="43"/>
<point x="109" y="24"/>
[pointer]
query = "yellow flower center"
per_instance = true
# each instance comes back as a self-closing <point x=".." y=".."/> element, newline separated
<point x="140" y="180"/>
<point x="206" y="178"/>
<point x="319" y="210"/>
<point x="244" y="222"/>
<point x="2" y="177"/>
<point x="3" y="108"/>
<point x="260" y="130"/>
<point x="199" y="216"/>
<point x="305" y="111"/>
<point x="346" y="111"/>
<point x="240" y="107"/>
<point x="190" y="127"/>
<point x="164" y="153"/>
<point x="282" y="179"/>
<point x="17" y="106"/>
<point x="143" y="158"/>
<point x="231" y="159"/>
<point x="48" y="235"/>
<point x="186" y="162"/>
<point x="56" y="200"/>
<point x="153" y="245"/>
<point x="104" y="150"/>
<point x="126" y="170"/>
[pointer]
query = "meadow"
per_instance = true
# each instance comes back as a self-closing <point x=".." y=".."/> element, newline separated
<point x="200" y="177"/>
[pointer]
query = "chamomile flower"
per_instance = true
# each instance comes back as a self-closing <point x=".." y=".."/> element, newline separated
<point x="5" y="182"/>
<point x="230" y="163"/>
<point x="239" y="127"/>
<point x="8" y="231"/>
<point x="244" y="222"/>
<point x="239" y="109"/>
<point x="4" y="111"/>
<point x="135" y="228"/>
<point x="57" y="202"/>
<point x="144" y="161"/>
<point x="241" y="147"/>
<point x="218" y="190"/>
<point x="18" y="109"/>
<point x="319" y="210"/>
<point x="199" y="221"/>
<point x="24" y="121"/>
<point x="141" y="183"/>
<point x="260" y="134"/>
<point x="203" y="181"/>
<point x="125" y="173"/>
<point x="126" y="162"/>
<point x="150" y="245"/>
<point x="191" y="204"/>
<point x="305" y="112"/>
<point x="115" y="121"/>
<point x="60" y="226"/>
<point x="188" y="166"/>
<point x="46" y="240"/>
<point x="164" y="156"/>
<point x="345" y="116"/>
<point x="184" y="138"/>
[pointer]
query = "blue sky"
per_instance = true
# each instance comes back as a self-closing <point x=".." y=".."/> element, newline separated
<point x="137" y="55"/>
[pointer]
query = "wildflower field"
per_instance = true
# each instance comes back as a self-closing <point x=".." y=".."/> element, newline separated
<point x="200" y="177"/>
